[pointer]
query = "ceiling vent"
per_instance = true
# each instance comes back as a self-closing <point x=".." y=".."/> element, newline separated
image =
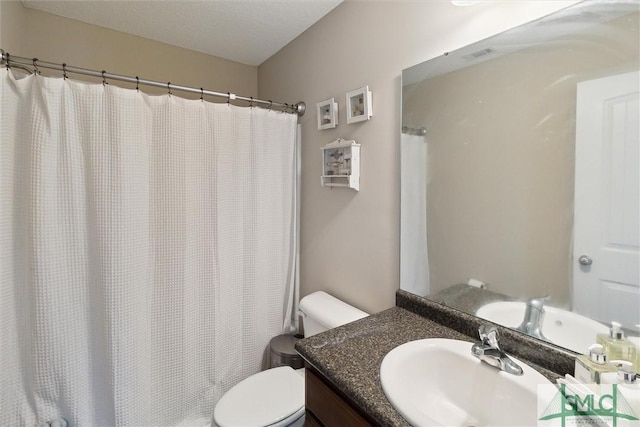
<point x="479" y="54"/>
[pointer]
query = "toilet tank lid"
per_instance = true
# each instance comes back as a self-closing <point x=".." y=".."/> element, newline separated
<point x="328" y="310"/>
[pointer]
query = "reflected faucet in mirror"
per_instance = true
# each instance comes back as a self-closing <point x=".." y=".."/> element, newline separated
<point x="519" y="181"/>
<point x="533" y="317"/>
<point x="556" y="326"/>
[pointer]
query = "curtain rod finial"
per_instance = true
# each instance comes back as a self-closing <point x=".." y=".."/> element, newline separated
<point x="301" y="108"/>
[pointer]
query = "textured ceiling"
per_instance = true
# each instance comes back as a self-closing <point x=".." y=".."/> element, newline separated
<point x="246" y="31"/>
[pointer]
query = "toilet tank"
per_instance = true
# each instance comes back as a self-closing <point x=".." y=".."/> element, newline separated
<point x="320" y="312"/>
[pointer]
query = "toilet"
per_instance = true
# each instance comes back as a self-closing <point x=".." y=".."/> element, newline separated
<point x="275" y="397"/>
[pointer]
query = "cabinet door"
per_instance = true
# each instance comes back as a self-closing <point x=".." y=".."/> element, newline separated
<point x="326" y="406"/>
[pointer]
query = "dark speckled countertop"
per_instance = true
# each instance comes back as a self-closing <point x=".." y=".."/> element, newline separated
<point x="350" y="356"/>
<point x="467" y="298"/>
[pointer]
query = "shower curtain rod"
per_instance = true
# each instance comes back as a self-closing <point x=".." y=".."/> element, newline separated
<point x="25" y="64"/>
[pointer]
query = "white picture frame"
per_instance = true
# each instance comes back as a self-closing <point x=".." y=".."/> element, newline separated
<point x="327" y="112"/>
<point x="359" y="105"/>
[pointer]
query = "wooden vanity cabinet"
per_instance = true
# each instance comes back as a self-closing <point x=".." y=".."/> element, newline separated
<point x="329" y="407"/>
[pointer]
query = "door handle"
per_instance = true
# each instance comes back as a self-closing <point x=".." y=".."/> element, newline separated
<point x="585" y="260"/>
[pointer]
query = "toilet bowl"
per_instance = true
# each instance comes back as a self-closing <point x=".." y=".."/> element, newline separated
<point x="275" y="397"/>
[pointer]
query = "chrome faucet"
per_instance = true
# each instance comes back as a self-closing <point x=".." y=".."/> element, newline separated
<point x="488" y="350"/>
<point x="533" y="315"/>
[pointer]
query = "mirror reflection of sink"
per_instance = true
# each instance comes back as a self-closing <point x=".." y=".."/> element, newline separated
<point x="436" y="382"/>
<point x="561" y="327"/>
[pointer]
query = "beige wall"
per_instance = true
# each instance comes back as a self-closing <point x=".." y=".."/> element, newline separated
<point x="350" y="240"/>
<point x="31" y="33"/>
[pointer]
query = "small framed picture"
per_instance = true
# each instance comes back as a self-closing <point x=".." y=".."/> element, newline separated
<point x="327" y="114"/>
<point x="359" y="105"/>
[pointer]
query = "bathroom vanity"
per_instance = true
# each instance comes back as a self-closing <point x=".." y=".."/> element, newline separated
<point x="343" y="364"/>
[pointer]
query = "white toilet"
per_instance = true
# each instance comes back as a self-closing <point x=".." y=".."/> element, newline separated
<point x="275" y="397"/>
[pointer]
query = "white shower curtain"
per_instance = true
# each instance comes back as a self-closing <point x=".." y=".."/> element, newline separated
<point x="147" y="250"/>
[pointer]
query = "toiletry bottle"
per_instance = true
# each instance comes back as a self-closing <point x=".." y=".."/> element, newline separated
<point x="616" y="346"/>
<point x="636" y="341"/>
<point x="628" y="384"/>
<point x="622" y="366"/>
<point x="589" y="368"/>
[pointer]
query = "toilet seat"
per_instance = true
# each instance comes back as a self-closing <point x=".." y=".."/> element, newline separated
<point x="274" y="397"/>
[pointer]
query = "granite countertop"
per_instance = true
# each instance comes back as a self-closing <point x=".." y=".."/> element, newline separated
<point x="467" y="298"/>
<point x="350" y="356"/>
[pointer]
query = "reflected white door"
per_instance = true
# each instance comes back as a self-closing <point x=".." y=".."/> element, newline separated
<point x="606" y="246"/>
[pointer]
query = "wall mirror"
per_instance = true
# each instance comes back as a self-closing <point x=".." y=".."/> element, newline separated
<point x="520" y="182"/>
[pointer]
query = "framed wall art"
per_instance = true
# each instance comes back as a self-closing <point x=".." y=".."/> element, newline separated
<point x="327" y="114"/>
<point x="359" y="105"/>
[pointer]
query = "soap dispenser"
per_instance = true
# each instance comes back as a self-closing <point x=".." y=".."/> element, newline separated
<point x="589" y="368"/>
<point x="627" y="382"/>
<point x="616" y="346"/>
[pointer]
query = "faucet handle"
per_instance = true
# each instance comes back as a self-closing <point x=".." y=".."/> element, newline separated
<point x="538" y="302"/>
<point x="543" y="298"/>
<point x="489" y="335"/>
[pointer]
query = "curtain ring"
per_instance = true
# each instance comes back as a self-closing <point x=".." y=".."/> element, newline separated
<point x="169" y="87"/>
<point x="228" y="98"/>
<point x="7" y="59"/>
<point x="286" y="108"/>
<point x="64" y="71"/>
<point x="104" y="79"/>
<point x="201" y="94"/>
<point x="137" y="84"/>
<point x="35" y="65"/>
<point x="251" y="103"/>
<point x="270" y="104"/>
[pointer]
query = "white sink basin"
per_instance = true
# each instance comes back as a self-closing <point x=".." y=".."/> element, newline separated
<point x="560" y="327"/>
<point x="437" y="382"/>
